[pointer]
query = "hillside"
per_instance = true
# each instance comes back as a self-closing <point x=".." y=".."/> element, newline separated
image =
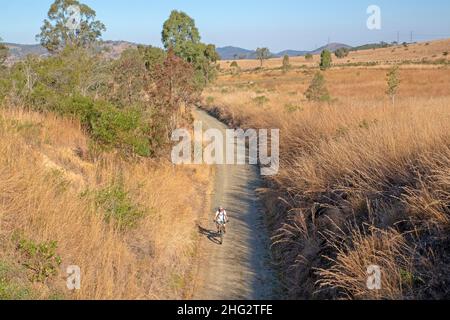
<point x="236" y="53"/>
<point x="18" y="52"/>
<point x="57" y="192"/>
<point x="426" y="53"/>
<point x="332" y="47"/>
<point x="229" y="53"/>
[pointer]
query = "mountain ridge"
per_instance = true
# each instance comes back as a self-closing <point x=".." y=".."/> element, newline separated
<point x="231" y="52"/>
<point x="116" y="47"/>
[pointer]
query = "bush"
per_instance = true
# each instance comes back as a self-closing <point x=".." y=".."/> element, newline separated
<point x="40" y="258"/>
<point x="309" y="56"/>
<point x="317" y="90"/>
<point x="286" y="64"/>
<point x="118" y="207"/>
<point x="290" y="107"/>
<point x="393" y="83"/>
<point x="342" y="53"/>
<point x="43" y="99"/>
<point x="261" y="100"/>
<point x="325" y="60"/>
<point x="131" y="103"/>
<point x="209" y="100"/>
<point x="83" y="108"/>
<point x="122" y="129"/>
<point x="111" y="127"/>
<point x="235" y="69"/>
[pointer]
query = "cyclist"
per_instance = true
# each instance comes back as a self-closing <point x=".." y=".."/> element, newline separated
<point x="221" y="218"/>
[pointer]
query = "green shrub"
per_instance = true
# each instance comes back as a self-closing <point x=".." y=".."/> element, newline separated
<point x="290" y="107"/>
<point x="83" y="108"/>
<point x="309" y="56"/>
<point x="286" y="64"/>
<point x="393" y="83"/>
<point x="43" y="99"/>
<point x="325" y="60"/>
<point x="122" y="129"/>
<point x="209" y="100"/>
<point x="109" y="126"/>
<point x="261" y="100"/>
<point x="118" y="207"/>
<point x="317" y="90"/>
<point x="342" y="53"/>
<point x="40" y="258"/>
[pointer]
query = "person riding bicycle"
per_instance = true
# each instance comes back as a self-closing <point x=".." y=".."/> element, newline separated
<point x="221" y="218"/>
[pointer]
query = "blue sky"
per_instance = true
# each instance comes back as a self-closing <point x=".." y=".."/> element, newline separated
<point x="282" y="24"/>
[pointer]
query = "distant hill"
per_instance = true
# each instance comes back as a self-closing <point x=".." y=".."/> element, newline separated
<point x="231" y="53"/>
<point x="372" y="46"/>
<point x="18" y="52"/>
<point x="332" y="47"/>
<point x="291" y="53"/>
<point x="115" y="48"/>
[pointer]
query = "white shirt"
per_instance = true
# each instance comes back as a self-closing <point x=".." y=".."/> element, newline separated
<point x="221" y="216"/>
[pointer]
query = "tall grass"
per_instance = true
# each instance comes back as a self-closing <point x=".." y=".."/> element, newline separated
<point x="415" y="53"/>
<point x="46" y="179"/>
<point x="361" y="183"/>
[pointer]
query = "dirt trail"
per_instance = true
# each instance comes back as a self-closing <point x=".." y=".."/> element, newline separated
<point x="240" y="268"/>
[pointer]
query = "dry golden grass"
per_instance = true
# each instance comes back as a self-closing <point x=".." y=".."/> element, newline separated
<point x="42" y="177"/>
<point x="432" y="50"/>
<point x="361" y="182"/>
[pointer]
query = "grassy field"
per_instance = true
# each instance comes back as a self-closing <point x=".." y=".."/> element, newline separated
<point x="129" y="225"/>
<point x="430" y="51"/>
<point x="362" y="182"/>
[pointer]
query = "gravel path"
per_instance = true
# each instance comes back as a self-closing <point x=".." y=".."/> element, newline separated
<point x="240" y="268"/>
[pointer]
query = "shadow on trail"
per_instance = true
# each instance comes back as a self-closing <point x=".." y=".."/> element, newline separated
<point x="211" y="235"/>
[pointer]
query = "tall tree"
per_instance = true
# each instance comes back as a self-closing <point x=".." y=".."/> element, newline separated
<point x="286" y="63"/>
<point x="69" y="23"/>
<point x="173" y="88"/>
<point x="393" y="83"/>
<point x="182" y="36"/>
<point x="342" y="53"/>
<point x="152" y="56"/>
<point x="129" y="77"/>
<point x="262" y="54"/>
<point x="325" y="60"/>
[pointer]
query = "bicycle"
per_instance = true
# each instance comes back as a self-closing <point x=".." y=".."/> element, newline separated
<point x="221" y="231"/>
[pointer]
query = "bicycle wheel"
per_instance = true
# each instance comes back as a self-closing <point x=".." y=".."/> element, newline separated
<point x="221" y="234"/>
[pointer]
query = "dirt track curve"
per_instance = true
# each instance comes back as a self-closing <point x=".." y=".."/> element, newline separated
<point x="240" y="268"/>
